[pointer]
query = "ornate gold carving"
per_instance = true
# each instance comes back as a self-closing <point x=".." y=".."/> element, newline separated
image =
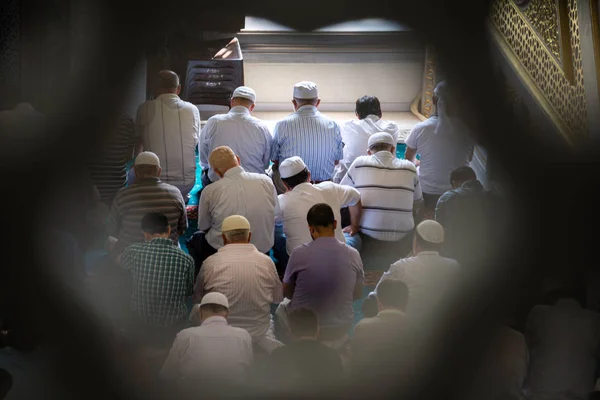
<point x="566" y="98"/>
<point x="543" y="15"/>
<point x="429" y="83"/>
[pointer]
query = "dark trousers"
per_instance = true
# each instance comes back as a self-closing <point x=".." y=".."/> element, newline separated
<point x="204" y="180"/>
<point x="199" y="249"/>
<point x="431" y="200"/>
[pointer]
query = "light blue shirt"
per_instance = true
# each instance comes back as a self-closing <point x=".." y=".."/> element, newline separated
<point x="247" y="136"/>
<point x="313" y="137"/>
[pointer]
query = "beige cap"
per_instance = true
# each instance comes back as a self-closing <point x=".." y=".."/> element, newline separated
<point x="291" y="166"/>
<point x="147" y="158"/>
<point x="244" y="92"/>
<point x="235" y="222"/>
<point x="431" y="231"/>
<point x="381" y="137"/>
<point x="305" y="90"/>
<point x="215" y="298"/>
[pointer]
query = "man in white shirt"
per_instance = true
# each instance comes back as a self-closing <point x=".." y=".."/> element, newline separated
<point x="389" y="190"/>
<point x="212" y="354"/>
<point x="428" y="276"/>
<point x="302" y="195"/>
<point x="247" y="136"/>
<point x="356" y="133"/>
<point x="237" y="193"/>
<point x="249" y="280"/>
<point x="169" y="127"/>
<point x="309" y="135"/>
<point x="443" y="144"/>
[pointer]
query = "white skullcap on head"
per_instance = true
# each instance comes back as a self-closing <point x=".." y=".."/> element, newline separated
<point x="147" y="158"/>
<point x="215" y="298"/>
<point x="431" y="231"/>
<point x="305" y="90"/>
<point x="244" y="92"/>
<point x="234" y="222"/>
<point x="291" y="166"/>
<point x="381" y="137"/>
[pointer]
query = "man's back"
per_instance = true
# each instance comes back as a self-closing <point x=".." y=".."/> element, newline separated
<point x="294" y="205"/>
<point x="356" y="133"/>
<point x="563" y="350"/>
<point x="133" y="202"/>
<point x="440" y="155"/>
<point x="212" y="351"/>
<point x="388" y="187"/>
<point x="324" y="273"/>
<point x="162" y="279"/>
<point x="249" y="280"/>
<point x="313" y="137"/>
<point x="239" y="193"/>
<point x="304" y="363"/>
<point x="169" y="127"/>
<point x="247" y="136"/>
<point x="428" y="277"/>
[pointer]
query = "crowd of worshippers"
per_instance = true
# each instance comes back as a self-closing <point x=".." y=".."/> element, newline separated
<point x="275" y="265"/>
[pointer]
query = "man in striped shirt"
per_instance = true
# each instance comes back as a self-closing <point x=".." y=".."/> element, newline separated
<point x="249" y="280"/>
<point x="309" y="135"/>
<point x="147" y="194"/>
<point x="163" y="277"/>
<point x="169" y="127"/>
<point x="389" y="190"/>
<point x="247" y="136"/>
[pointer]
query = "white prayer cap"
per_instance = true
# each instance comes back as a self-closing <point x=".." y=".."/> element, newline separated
<point x="244" y="92"/>
<point x="305" y="90"/>
<point x="147" y="158"/>
<point x="431" y="231"/>
<point x="235" y="222"/>
<point x="291" y="166"/>
<point x="215" y="298"/>
<point x="381" y="137"/>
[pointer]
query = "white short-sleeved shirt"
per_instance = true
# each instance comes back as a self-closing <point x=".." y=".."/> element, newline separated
<point x="170" y="127"/>
<point x="440" y="155"/>
<point x="356" y="134"/>
<point x="239" y="193"/>
<point x="294" y="206"/>
<point x="388" y="187"/>
<point x="247" y="136"/>
<point x="429" y="278"/>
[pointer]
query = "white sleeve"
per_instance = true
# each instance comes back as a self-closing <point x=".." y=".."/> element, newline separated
<point x="347" y="195"/>
<point x="204" y="217"/>
<point x="418" y="195"/>
<point x="412" y="140"/>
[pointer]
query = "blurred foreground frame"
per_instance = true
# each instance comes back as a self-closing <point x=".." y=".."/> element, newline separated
<point x="89" y="89"/>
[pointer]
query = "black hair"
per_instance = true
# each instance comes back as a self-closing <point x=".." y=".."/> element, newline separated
<point x="155" y="222"/>
<point x="303" y="322"/>
<point x="368" y="105"/>
<point x="320" y="215"/>
<point x="425" y="245"/>
<point x="214" y="308"/>
<point x="295" y="180"/>
<point x="462" y="174"/>
<point x="393" y="293"/>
